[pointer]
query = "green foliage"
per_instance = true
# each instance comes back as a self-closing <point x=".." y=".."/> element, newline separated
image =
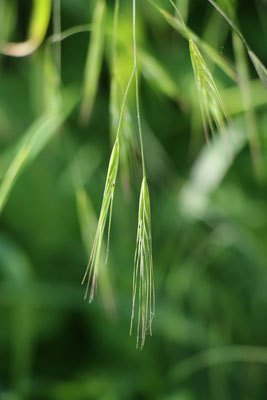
<point x="205" y="210"/>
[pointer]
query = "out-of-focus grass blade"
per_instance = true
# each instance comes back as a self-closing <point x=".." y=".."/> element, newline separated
<point x="14" y="264"/>
<point x="8" y="15"/>
<point x="118" y="69"/>
<point x="217" y="356"/>
<point x="37" y="29"/>
<point x="93" y="62"/>
<point x="183" y="6"/>
<point x="208" y="171"/>
<point x="215" y="56"/>
<point x="251" y="119"/>
<point x="259" y="66"/>
<point x="232" y="97"/>
<point x="31" y="144"/>
<point x="157" y="75"/>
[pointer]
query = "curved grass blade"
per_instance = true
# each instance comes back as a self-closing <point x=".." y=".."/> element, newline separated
<point x="127" y="140"/>
<point x="93" y="62"/>
<point x="143" y="279"/>
<point x="37" y="29"/>
<point x="259" y="66"/>
<point x="253" y="133"/>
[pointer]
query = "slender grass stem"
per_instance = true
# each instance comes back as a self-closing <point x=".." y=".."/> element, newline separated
<point x="114" y="37"/>
<point x="57" y="31"/>
<point x="143" y="279"/>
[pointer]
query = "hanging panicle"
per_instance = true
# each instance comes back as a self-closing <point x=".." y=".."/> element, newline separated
<point x="143" y="280"/>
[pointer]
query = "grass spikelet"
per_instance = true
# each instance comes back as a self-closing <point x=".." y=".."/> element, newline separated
<point x="93" y="61"/>
<point x="143" y="281"/>
<point x="258" y="65"/>
<point x="212" y="107"/>
<point x="91" y="272"/>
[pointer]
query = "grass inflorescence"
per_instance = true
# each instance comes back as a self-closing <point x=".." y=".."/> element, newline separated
<point x="91" y="272"/>
<point x="143" y="281"/>
<point x="211" y="104"/>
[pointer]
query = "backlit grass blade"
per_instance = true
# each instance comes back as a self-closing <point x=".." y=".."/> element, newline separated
<point x="31" y="144"/>
<point x="93" y="61"/>
<point x="127" y="140"/>
<point x="259" y="66"/>
<point x="37" y="29"/>
<point x="251" y="120"/>
<point x="157" y="75"/>
<point x="186" y="32"/>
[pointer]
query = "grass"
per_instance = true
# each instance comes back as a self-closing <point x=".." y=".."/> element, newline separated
<point x="152" y="68"/>
<point x="91" y="273"/>
<point x="93" y="61"/>
<point x="143" y="276"/>
<point x="143" y="281"/>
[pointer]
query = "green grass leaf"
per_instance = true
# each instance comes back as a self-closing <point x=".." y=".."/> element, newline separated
<point x="93" y="61"/>
<point x="33" y="141"/>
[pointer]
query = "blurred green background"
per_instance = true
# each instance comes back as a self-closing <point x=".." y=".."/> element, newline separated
<point x="209" y="215"/>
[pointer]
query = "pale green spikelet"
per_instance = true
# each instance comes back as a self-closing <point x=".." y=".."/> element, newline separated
<point x="91" y="272"/>
<point x="143" y="280"/>
<point x="211" y="104"/>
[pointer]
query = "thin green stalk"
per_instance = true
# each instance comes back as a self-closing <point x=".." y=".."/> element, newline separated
<point x="57" y="31"/>
<point x="183" y="5"/>
<point x="114" y="36"/>
<point x="137" y="91"/>
<point x="38" y="25"/>
<point x="258" y="65"/>
<point x="69" y="32"/>
<point x="143" y="278"/>
<point x="212" y="53"/>
<point x="217" y="356"/>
